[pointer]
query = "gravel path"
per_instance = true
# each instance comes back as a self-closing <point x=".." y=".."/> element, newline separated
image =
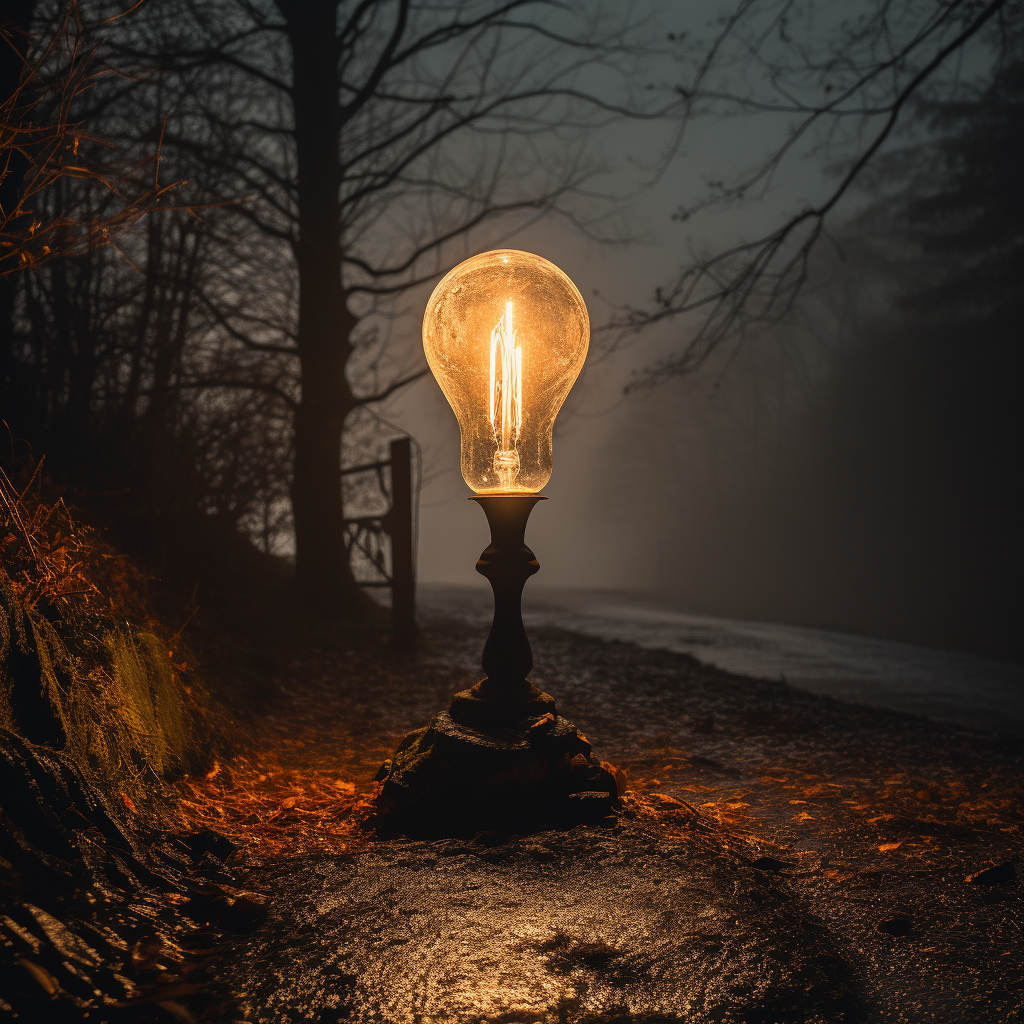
<point x="784" y="857"/>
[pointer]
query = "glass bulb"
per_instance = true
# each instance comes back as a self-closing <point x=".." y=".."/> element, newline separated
<point x="505" y="334"/>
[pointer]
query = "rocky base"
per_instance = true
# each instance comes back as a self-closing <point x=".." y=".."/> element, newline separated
<point x="475" y="768"/>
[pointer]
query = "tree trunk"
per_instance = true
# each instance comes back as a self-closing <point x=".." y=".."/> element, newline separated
<point x="323" y="576"/>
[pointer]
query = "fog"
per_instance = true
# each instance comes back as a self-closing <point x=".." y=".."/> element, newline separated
<point x="852" y="467"/>
<point x="854" y="492"/>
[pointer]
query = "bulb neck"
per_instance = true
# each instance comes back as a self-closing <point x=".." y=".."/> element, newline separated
<point x="507" y="515"/>
<point x="507" y="563"/>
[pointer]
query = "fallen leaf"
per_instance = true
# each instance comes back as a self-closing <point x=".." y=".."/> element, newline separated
<point x="288" y="803"/>
<point x="994" y="875"/>
<point x="665" y="798"/>
<point x="621" y="780"/>
<point x="41" y="975"/>
<point x="129" y="803"/>
<point x="824" y="789"/>
<point x="888" y="847"/>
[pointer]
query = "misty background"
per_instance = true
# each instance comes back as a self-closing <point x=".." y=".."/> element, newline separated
<point x="802" y="402"/>
<point x="856" y="466"/>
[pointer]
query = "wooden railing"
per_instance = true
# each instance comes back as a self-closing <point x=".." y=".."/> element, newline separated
<point x="369" y="540"/>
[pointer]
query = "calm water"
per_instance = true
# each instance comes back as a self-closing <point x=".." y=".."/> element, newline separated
<point x="949" y="686"/>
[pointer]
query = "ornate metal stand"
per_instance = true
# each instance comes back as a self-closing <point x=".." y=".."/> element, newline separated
<point x="500" y="755"/>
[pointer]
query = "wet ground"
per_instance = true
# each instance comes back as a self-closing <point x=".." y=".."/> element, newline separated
<point x="784" y="857"/>
<point x="944" y="685"/>
<point x="584" y="925"/>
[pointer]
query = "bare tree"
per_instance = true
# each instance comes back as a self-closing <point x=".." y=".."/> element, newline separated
<point x="42" y="86"/>
<point x="846" y="85"/>
<point x="49" y="163"/>
<point x="370" y="139"/>
<point x="102" y="344"/>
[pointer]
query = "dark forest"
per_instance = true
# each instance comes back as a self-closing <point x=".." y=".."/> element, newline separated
<point x="748" y="749"/>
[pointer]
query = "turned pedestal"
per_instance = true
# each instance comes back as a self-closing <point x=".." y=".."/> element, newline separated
<point x="500" y="755"/>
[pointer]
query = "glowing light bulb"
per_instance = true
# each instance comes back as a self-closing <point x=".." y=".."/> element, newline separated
<point x="505" y="334"/>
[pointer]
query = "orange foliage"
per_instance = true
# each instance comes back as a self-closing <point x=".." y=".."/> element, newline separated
<point x="270" y="810"/>
<point x="50" y="558"/>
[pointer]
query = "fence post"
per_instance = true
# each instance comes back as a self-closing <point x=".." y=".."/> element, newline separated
<point x="403" y="583"/>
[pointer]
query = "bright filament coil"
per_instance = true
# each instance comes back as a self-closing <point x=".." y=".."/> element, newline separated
<point x="505" y="334"/>
<point x="506" y="397"/>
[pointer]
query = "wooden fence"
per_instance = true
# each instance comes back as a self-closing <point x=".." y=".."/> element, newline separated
<point x="369" y="539"/>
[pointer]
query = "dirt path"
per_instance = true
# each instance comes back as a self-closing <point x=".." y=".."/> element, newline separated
<point x="761" y="820"/>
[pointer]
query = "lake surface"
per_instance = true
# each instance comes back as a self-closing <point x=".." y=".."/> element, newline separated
<point x="948" y="686"/>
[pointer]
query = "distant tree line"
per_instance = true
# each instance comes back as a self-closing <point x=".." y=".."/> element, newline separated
<point x="846" y="82"/>
<point x="859" y="464"/>
<point x="890" y="498"/>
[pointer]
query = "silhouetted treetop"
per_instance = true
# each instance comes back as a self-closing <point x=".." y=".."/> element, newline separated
<point x="964" y="202"/>
<point x="846" y="81"/>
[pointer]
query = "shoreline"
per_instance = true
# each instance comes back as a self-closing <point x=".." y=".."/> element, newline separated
<point x="953" y="687"/>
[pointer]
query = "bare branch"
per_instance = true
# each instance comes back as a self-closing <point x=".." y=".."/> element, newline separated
<point x="759" y="281"/>
<point x="391" y="389"/>
<point x="212" y="383"/>
<point x="223" y="320"/>
<point x="47" y="147"/>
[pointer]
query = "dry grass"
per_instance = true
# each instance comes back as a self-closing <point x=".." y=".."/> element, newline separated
<point x="270" y="810"/>
<point x="51" y="559"/>
<point x="75" y="622"/>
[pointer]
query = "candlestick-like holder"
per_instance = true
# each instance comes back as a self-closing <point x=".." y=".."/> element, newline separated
<point x="500" y="756"/>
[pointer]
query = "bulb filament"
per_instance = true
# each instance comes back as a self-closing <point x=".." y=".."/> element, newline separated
<point x="506" y="398"/>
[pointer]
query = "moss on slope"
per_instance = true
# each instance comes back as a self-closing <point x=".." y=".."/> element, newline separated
<point x="86" y="668"/>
